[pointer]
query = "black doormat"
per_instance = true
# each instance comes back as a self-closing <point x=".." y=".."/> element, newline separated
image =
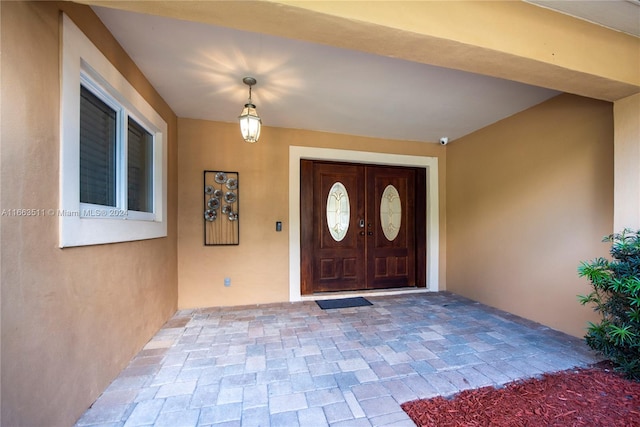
<point x="343" y="303"/>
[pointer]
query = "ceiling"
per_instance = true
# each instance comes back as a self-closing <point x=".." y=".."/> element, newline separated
<point x="620" y="15"/>
<point x="198" y="70"/>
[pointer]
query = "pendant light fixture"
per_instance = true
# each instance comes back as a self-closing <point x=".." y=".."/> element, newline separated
<point x="250" y="122"/>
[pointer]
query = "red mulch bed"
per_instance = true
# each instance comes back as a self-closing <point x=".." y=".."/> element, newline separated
<point x="596" y="396"/>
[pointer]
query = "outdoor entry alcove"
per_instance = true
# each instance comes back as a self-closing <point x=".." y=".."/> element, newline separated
<point x="362" y="226"/>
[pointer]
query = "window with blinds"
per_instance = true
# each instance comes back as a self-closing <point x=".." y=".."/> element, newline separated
<point x="101" y="143"/>
<point x="113" y="151"/>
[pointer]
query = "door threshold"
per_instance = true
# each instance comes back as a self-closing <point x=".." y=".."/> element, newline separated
<point x="363" y="293"/>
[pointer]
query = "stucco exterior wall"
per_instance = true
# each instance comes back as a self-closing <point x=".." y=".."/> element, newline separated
<point x="528" y="198"/>
<point x="626" y="113"/>
<point x="259" y="266"/>
<point x="71" y="318"/>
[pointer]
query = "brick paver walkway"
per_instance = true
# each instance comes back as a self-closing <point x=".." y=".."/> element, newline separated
<point x="293" y="364"/>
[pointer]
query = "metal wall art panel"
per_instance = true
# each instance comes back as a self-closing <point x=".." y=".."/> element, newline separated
<point x="221" y="208"/>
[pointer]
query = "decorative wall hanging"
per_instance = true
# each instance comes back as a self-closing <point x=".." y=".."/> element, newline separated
<point x="221" y="207"/>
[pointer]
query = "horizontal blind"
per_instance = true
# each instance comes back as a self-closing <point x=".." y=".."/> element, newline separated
<point x="139" y="168"/>
<point x="97" y="150"/>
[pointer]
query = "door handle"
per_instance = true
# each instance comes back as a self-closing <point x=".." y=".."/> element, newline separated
<point x="361" y="223"/>
<point x="369" y="233"/>
<point x="362" y="233"/>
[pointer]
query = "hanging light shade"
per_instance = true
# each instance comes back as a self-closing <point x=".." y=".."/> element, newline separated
<point x="250" y="122"/>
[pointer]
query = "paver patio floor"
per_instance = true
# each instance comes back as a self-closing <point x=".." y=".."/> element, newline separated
<point x="293" y="364"/>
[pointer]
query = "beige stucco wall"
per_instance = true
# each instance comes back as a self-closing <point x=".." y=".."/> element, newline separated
<point x="71" y="318"/>
<point x="627" y="160"/>
<point x="259" y="265"/>
<point x="528" y="198"/>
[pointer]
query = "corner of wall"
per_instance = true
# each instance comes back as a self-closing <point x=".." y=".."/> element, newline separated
<point x="626" y="114"/>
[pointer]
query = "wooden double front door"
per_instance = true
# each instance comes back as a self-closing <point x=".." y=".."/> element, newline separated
<point x="362" y="227"/>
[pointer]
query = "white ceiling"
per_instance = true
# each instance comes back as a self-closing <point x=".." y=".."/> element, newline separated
<point x="620" y="15"/>
<point x="198" y="70"/>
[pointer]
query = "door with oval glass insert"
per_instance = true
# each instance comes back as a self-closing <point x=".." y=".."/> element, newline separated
<point x="333" y="254"/>
<point x="390" y="211"/>
<point x="359" y="228"/>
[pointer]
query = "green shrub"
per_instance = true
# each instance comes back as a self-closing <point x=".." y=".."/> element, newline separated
<point x="616" y="297"/>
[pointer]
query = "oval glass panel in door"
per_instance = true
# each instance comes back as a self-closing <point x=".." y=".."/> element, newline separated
<point x="338" y="211"/>
<point x="390" y="212"/>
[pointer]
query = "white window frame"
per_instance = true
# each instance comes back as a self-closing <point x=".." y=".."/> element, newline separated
<point x="84" y="224"/>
